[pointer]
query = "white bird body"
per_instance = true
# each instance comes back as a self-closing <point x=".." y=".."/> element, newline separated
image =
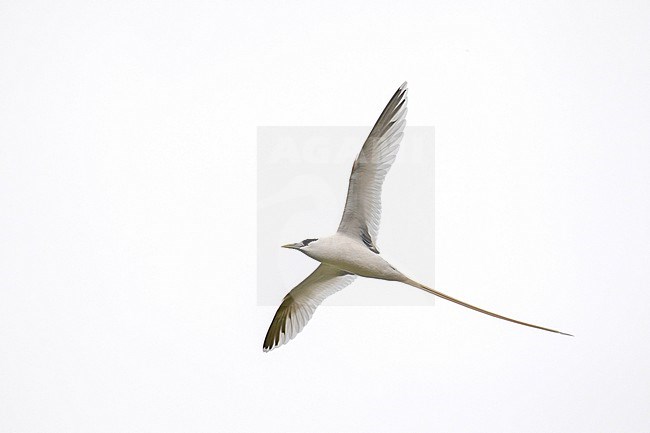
<point x="346" y="253"/>
<point x="352" y="250"/>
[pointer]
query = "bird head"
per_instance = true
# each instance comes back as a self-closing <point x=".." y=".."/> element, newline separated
<point x="299" y="245"/>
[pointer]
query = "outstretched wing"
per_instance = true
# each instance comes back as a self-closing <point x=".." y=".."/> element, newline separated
<point x="362" y="211"/>
<point x="300" y="303"/>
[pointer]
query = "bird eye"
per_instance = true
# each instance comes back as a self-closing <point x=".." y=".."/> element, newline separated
<point x="307" y="241"/>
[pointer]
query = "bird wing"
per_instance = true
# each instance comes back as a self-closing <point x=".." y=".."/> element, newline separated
<point x="300" y="303"/>
<point x="362" y="211"/>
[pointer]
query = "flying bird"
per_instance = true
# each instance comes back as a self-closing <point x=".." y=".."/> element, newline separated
<point x="352" y="250"/>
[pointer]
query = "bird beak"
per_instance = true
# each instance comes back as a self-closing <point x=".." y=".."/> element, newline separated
<point x="294" y="246"/>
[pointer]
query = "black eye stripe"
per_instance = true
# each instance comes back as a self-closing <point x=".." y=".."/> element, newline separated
<point x="307" y="241"/>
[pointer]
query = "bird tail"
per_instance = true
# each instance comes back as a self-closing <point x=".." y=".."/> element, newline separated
<point x="472" y="307"/>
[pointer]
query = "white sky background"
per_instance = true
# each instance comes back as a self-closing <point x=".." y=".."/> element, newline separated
<point x="128" y="221"/>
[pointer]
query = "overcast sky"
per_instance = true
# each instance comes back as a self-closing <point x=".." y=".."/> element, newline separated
<point x="129" y="211"/>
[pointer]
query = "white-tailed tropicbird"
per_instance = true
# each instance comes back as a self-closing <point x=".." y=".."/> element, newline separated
<point x="352" y="251"/>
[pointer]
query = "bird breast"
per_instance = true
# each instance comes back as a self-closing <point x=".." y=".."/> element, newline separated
<point x="352" y="256"/>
